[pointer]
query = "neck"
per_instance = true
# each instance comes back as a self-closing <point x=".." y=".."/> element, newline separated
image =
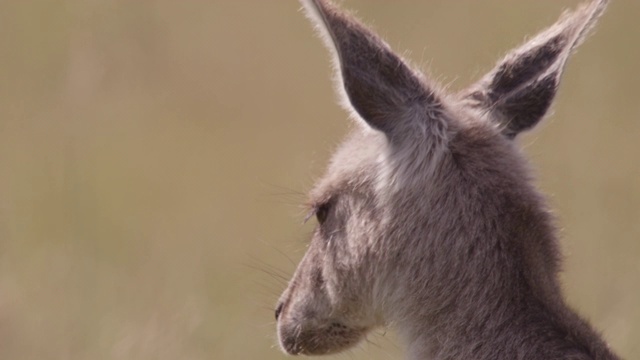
<point x="493" y="295"/>
<point x="531" y="329"/>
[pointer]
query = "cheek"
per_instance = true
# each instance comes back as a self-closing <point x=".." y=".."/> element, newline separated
<point x="334" y="272"/>
<point x="352" y="249"/>
<point x="344" y="247"/>
<point x="344" y="277"/>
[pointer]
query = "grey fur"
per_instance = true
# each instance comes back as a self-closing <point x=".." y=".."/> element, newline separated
<point x="428" y="219"/>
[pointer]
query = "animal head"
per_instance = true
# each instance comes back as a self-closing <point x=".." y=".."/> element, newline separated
<point x="428" y="200"/>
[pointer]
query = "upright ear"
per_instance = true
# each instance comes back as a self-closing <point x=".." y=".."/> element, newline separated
<point x="519" y="91"/>
<point x="378" y="84"/>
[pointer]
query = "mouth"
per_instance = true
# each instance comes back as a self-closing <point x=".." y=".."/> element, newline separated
<point x="325" y="340"/>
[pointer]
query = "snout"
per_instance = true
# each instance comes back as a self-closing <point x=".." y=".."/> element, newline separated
<point x="332" y="338"/>
<point x="312" y="316"/>
<point x="304" y="331"/>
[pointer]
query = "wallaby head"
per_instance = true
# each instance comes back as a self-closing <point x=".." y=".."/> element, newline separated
<point x="427" y="218"/>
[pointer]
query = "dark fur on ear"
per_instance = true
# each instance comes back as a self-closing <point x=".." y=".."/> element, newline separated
<point x="379" y="85"/>
<point x="520" y="90"/>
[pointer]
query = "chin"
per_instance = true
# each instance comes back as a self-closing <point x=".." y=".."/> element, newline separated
<point x="335" y="337"/>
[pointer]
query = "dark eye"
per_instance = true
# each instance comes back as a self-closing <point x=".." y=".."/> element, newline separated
<point x="322" y="212"/>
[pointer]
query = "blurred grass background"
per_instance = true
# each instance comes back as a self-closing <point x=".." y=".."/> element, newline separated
<point x="153" y="155"/>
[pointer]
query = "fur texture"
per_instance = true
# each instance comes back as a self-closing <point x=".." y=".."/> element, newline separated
<point x="427" y="216"/>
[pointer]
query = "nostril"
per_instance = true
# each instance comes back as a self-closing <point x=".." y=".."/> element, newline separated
<point x="279" y="310"/>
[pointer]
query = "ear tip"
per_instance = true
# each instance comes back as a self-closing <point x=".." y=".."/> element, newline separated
<point x="599" y="6"/>
<point x="587" y="17"/>
<point x="596" y="8"/>
<point x="316" y="5"/>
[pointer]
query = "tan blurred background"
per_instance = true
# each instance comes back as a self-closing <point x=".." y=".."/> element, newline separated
<point x="153" y="156"/>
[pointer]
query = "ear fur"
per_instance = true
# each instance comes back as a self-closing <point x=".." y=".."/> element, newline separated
<point x="520" y="90"/>
<point x="382" y="89"/>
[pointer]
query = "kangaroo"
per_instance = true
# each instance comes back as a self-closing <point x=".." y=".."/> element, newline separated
<point x="428" y="220"/>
